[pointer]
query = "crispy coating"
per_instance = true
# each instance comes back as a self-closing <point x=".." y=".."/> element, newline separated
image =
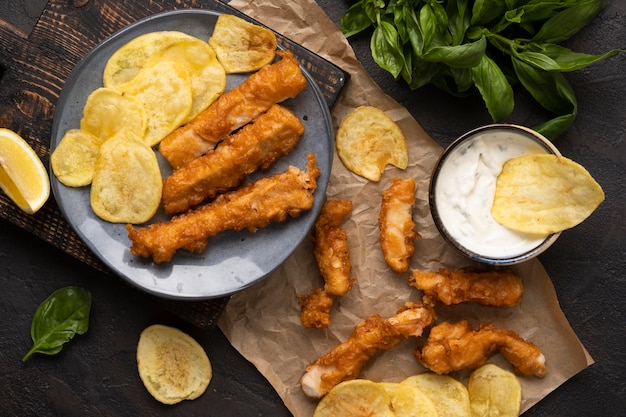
<point x="457" y="346"/>
<point x="333" y="259"/>
<point x="488" y="288"/>
<point x="395" y="221"/>
<point x="257" y="145"/>
<point x="315" y="308"/>
<point x="345" y="361"/>
<point x="269" y="199"/>
<point x="270" y="85"/>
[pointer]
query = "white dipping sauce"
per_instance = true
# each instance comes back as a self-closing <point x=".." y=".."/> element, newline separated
<point x="464" y="192"/>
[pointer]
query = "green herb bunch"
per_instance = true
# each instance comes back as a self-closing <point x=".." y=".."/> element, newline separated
<point x="462" y="46"/>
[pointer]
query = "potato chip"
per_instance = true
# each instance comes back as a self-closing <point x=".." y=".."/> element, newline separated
<point x="242" y="46"/>
<point x="408" y="400"/>
<point x="207" y="75"/>
<point x="127" y="182"/>
<point x="130" y="58"/>
<point x="449" y="396"/>
<point x="172" y="365"/>
<point x="544" y="194"/>
<point x="494" y="392"/>
<point x="74" y="159"/>
<point x="164" y="89"/>
<point x="355" y="398"/>
<point x="108" y="111"/>
<point x="368" y="140"/>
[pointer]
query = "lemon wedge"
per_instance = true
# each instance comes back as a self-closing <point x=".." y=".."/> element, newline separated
<point x="23" y="176"/>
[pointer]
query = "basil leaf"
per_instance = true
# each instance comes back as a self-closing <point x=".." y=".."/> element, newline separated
<point x="428" y="24"/>
<point x="485" y="11"/>
<point x="58" y="318"/>
<point x="386" y="49"/>
<point x="565" y="59"/>
<point x="458" y="56"/>
<point x="494" y="88"/>
<point x="568" y="22"/>
<point x="459" y="20"/>
<point x="553" y="92"/>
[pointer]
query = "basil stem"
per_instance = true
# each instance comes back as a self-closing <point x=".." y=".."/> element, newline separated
<point x="58" y="318"/>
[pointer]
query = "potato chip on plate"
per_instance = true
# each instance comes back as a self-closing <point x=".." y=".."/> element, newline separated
<point x="74" y="159"/>
<point x="242" y="46"/>
<point x="164" y="89"/>
<point x="448" y="395"/>
<point x="544" y="194"/>
<point x="355" y="398"/>
<point x="172" y="365"/>
<point x="126" y="62"/>
<point x="368" y="140"/>
<point x="127" y="183"/>
<point x="494" y="392"/>
<point x="108" y="111"/>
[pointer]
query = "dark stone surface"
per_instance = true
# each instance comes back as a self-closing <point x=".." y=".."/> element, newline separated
<point x="95" y="375"/>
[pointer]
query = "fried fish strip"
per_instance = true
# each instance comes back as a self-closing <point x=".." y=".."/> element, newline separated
<point x="488" y="288"/>
<point x="257" y="145"/>
<point x="333" y="259"/>
<point x="233" y="109"/>
<point x="457" y="346"/>
<point x="395" y="221"/>
<point x="255" y="205"/>
<point x="345" y="361"/>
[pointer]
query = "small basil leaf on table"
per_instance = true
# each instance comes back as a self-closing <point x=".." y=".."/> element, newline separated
<point x="58" y="318"/>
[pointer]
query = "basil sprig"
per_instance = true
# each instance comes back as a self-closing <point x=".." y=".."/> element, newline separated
<point x="464" y="46"/>
<point x="58" y="318"/>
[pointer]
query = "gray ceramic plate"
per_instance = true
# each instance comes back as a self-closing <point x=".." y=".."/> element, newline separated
<point x="233" y="260"/>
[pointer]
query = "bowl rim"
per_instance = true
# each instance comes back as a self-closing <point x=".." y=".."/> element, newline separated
<point x="492" y="260"/>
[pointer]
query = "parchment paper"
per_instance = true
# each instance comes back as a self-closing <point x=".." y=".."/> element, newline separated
<point x="263" y="323"/>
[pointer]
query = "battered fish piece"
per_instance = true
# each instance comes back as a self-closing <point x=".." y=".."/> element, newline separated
<point x="333" y="259"/>
<point x="395" y="221"/>
<point x="457" y="346"/>
<point x="256" y="145"/>
<point x="488" y="288"/>
<point x="270" y="85"/>
<point x="270" y="199"/>
<point x="345" y="361"/>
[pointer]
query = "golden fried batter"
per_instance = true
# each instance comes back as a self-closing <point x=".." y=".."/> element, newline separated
<point x="395" y="221"/>
<point x="234" y="109"/>
<point x="257" y="145"/>
<point x="457" y="346"/>
<point x="488" y="288"/>
<point x="345" y="361"/>
<point x="270" y="199"/>
<point x="333" y="259"/>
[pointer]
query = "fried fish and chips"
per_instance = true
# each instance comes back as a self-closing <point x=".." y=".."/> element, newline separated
<point x="457" y="346"/>
<point x="544" y="194"/>
<point x="242" y="46"/>
<point x="494" y="288"/>
<point x="368" y="140"/>
<point x="127" y="183"/>
<point x="267" y="200"/>
<point x="207" y="75"/>
<point x="255" y="146"/>
<point x="74" y="159"/>
<point x="172" y="365"/>
<point x="270" y="85"/>
<point x="494" y="392"/>
<point x="346" y="360"/>
<point x="396" y="225"/>
<point x="332" y="254"/>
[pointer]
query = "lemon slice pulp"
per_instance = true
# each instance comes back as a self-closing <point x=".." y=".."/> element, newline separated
<point x="23" y="177"/>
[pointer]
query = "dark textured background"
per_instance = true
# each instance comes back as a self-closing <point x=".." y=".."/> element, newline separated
<point x="95" y="375"/>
